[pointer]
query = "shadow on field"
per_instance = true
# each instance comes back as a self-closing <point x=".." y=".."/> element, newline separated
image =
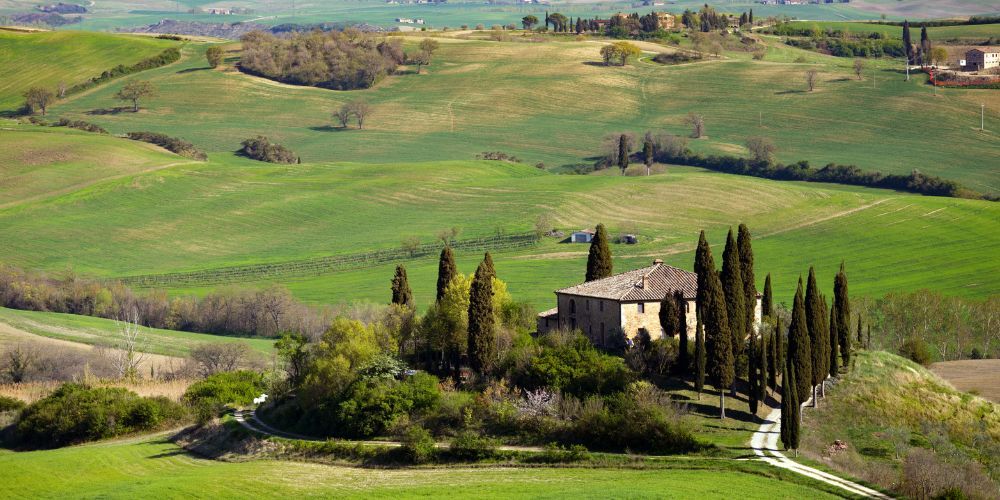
<point x="594" y="63"/>
<point x="192" y="70"/>
<point x="331" y="128"/>
<point x="109" y="111"/>
<point x="790" y="92"/>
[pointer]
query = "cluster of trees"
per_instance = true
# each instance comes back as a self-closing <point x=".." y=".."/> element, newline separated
<point x="847" y="47"/>
<point x="240" y="312"/>
<point x="334" y="60"/>
<point x="359" y="109"/>
<point x="707" y="19"/>
<point x="261" y="148"/>
<point x="618" y="53"/>
<point x="172" y="144"/>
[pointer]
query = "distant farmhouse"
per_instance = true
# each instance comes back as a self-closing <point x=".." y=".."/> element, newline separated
<point x="582" y="236"/>
<point x="406" y="20"/>
<point x="624" y="304"/>
<point x="982" y="58"/>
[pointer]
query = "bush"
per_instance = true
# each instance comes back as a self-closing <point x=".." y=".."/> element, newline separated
<point x="577" y="368"/>
<point x="172" y="144"/>
<point x="916" y="350"/>
<point x="162" y="59"/>
<point x="418" y="445"/>
<point x="80" y="125"/>
<point x="677" y="57"/>
<point x="77" y="413"/>
<point x="11" y="404"/>
<point x="209" y="397"/>
<point x="472" y="447"/>
<point x="262" y="149"/>
<point x="371" y="406"/>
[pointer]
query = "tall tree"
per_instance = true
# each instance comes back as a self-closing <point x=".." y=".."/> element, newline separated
<point x="834" y="362"/>
<point x="699" y="356"/>
<point x="775" y="361"/>
<point x="599" y="260"/>
<point x="790" y="405"/>
<point x="750" y="17"/>
<point x="752" y="374"/>
<point x="482" y="334"/>
<point x="647" y="154"/>
<point x="843" y="302"/>
<point x="907" y="42"/>
<point x="749" y="280"/>
<point x="719" y="337"/>
<point x="732" y="286"/>
<point x="668" y="316"/>
<point x="488" y="262"/>
<point x="623" y="153"/>
<point x="818" y="337"/>
<point x="401" y="293"/>
<point x="925" y="45"/>
<point x="767" y="301"/>
<point x="799" y="351"/>
<point x="38" y="98"/>
<point x="683" y="358"/>
<point x="763" y="349"/>
<point x="529" y="22"/>
<point x="446" y="271"/>
<point x="859" y="339"/>
<point x="134" y="91"/>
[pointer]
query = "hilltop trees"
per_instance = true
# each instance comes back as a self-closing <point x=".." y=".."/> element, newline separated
<point x="446" y="271"/>
<point x="214" y="56"/>
<point x="401" y="293"/>
<point x="134" y="91"/>
<point x="482" y="333"/>
<point x="529" y="21"/>
<point x="423" y="57"/>
<point x="799" y="351"/>
<point x="38" y="98"/>
<point x="599" y="263"/>
<point x="841" y="301"/>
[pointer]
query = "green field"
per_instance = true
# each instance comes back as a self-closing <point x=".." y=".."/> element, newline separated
<point x="154" y="467"/>
<point x="455" y="110"/>
<point x="935" y="33"/>
<point x="98" y="331"/>
<point x="45" y="59"/>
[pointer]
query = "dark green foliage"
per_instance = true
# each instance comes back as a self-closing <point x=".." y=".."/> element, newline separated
<point x="262" y="149"/>
<point x="488" y="262"/>
<point x="735" y="298"/>
<point x="622" y="422"/>
<point x="743" y="241"/>
<point x="767" y="301"/>
<point x="669" y="317"/>
<point x="214" y="56"/>
<point x="76" y="413"/>
<point x="482" y="331"/>
<point x="790" y="408"/>
<point x="719" y="337"/>
<point x="623" y="153"/>
<point x="447" y="270"/>
<point x="401" y="293"/>
<point x="677" y="57"/>
<point x="418" y="445"/>
<point x="763" y="350"/>
<point x="683" y="358"/>
<point x="599" y="263"/>
<point x="472" y="447"/>
<point x="699" y="356"/>
<point x="171" y="144"/>
<point x="753" y="356"/>
<point x="293" y="349"/>
<point x="907" y="42"/>
<point x="860" y="340"/>
<point x="370" y="406"/>
<point x="774" y="359"/>
<point x="166" y="57"/>
<point x="843" y="317"/>
<point x="11" y="404"/>
<point x="916" y="350"/>
<point x="834" y="362"/>
<point x="647" y="153"/>
<point x="799" y="352"/>
<point x="576" y="367"/>
<point x="818" y="336"/>
<point x="210" y="396"/>
<point x="81" y="125"/>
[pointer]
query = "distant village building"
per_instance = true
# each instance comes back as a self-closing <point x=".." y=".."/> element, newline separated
<point x="665" y="19"/>
<point x="406" y="20"/>
<point x="982" y="58"/>
<point x="624" y="304"/>
<point x="219" y="12"/>
<point x="582" y="236"/>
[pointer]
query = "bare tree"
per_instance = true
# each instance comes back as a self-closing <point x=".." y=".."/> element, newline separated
<point x="219" y="357"/>
<point x="61" y="90"/>
<point x="761" y="148"/>
<point x="38" y="98"/>
<point x="411" y="244"/>
<point x="18" y="362"/>
<point x="361" y="109"/>
<point x="859" y="67"/>
<point x="127" y="354"/>
<point x="543" y="224"/>
<point x="811" y="75"/>
<point x="697" y="123"/>
<point x="343" y="115"/>
<point x="135" y="90"/>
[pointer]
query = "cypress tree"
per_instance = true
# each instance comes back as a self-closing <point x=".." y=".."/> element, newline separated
<point x="843" y="303"/>
<point x="907" y="42"/>
<point x="751" y="16"/>
<point x="446" y="271"/>
<point x="668" y="316"/>
<point x="834" y="362"/>
<point x="752" y="378"/>
<point x="799" y="351"/>
<point x="749" y="280"/>
<point x="868" y="341"/>
<point x="790" y="408"/>
<point x="719" y="337"/>
<point x="647" y="154"/>
<point x="816" y="328"/>
<point x="860" y="340"/>
<point x="735" y="300"/>
<point x="623" y="153"/>
<point x="762" y="372"/>
<point x="773" y="357"/>
<point x="401" y="293"/>
<point x="767" y="301"/>
<point x="925" y="45"/>
<point x="699" y="356"/>
<point x="683" y="360"/>
<point x="826" y="337"/>
<point x="482" y="335"/>
<point x="488" y="262"/>
<point x="599" y="260"/>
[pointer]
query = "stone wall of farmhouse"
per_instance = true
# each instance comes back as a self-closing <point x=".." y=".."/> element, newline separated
<point x="633" y="320"/>
<point x="596" y="318"/>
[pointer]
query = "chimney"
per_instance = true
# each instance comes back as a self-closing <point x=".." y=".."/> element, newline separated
<point x="657" y="261"/>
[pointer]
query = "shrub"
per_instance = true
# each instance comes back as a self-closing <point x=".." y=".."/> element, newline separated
<point x="371" y="406"/>
<point x="172" y="144"/>
<point x="76" y="413"/>
<point x="643" y="422"/>
<point x="209" y="397"/>
<point x="677" y="57"/>
<point x="262" y="149"/>
<point x="81" y="125"/>
<point x="418" y="445"/>
<point x="577" y="368"/>
<point x="11" y="404"/>
<point x="916" y="350"/>
<point x="162" y="59"/>
<point x="471" y="446"/>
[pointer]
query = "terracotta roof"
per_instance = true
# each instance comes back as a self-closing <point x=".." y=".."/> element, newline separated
<point x="645" y="284"/>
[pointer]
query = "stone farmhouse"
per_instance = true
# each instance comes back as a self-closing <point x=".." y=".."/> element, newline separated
<point x="624" y="304"/>
<point x="979" y="59"/>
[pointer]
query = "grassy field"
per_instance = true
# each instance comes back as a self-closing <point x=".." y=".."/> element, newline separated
<point x="47" y="58"/>
<point x="99" y="331"/>
<point x="154" y="467"/>
<point x="455" y="110"/>
<point x="935" y="33"/>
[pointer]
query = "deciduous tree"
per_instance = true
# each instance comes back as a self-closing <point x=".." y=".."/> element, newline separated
<point x="811" y="76"/>
<point x="761" y="149"/>
<point x="134" y="91"/>
<point x="38" y="98"/>
<point x="599" y="263"/>
<point x="697" y="123"/>
<point x="859" y="67"/>
<point x="214" y="56"/>
<point x="361" y="110"/>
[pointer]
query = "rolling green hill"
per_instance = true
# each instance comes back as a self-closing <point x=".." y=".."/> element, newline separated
<point x="935" y="33"/>
<point x="551" y="102"/>
<point x="47" y="58"/>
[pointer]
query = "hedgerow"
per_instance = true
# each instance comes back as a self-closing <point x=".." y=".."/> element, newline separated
<point x="172" y="144"/>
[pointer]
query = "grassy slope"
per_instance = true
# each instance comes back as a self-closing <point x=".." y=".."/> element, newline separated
<point x="480" y="95"/>
<point x="978" y="31"/>
<point x="99" y="331"/>
<point x="885" y="392"/>
<point x="47" y="58"/>
<point x="157" y="468"/>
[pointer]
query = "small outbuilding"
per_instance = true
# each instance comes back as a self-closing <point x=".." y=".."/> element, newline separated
<point x="582" y="236"/>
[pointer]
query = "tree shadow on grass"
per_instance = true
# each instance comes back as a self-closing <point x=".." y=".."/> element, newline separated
<point x="330" y="128"/>
<point x="597" y="63"/>
<point x="192" y="70"/>
<point x="109" y="111"/>
<point x="783" y="92"/>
